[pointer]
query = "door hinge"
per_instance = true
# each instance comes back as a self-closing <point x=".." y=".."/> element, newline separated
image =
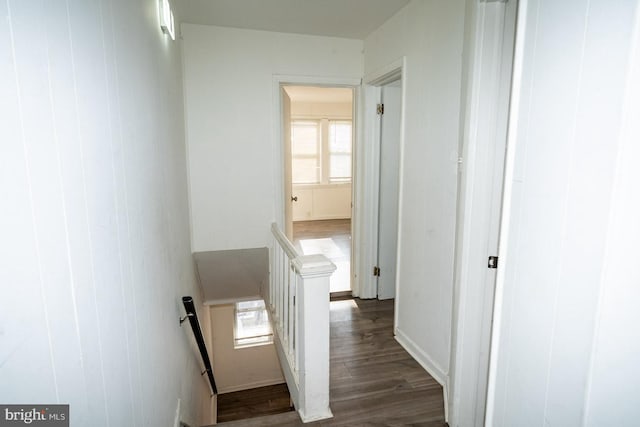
<point x="493" y="262"/>
<point x="376" y="271"/>
<point x="380" y="109"/>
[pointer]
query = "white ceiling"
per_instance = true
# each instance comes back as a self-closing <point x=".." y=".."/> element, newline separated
<point x="319" y="94"/>
<point x="354" y="19"/>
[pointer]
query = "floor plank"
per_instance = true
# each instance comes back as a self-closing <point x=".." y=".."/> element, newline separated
<point x="374" y="381"/>
<point x="255" y="402"/>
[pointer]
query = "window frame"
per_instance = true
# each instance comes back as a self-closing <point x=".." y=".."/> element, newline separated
<point x="329" y="154"/>
<point x="251" y="340"/>
<point x="319" y="151"/>
<point x="324" y="161"/>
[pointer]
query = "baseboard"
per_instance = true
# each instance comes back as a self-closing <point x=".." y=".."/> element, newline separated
<point x="249" y="386"/>
<point x="428" y="364"/>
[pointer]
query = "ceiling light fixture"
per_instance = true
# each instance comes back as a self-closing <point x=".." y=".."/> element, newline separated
<point x="166" y="19"/>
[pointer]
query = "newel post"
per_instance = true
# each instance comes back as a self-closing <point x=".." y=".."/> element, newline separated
<point x="313" y="371"/>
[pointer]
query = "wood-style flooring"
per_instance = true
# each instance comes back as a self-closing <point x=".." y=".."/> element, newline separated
<point x="374" y="381"/>
<point x="324" y="228"/>
<point x="269" y="400"/>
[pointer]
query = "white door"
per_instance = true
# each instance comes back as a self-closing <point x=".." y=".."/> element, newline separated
<point x="391" y="98"/>
<point x="286" y="134"/>
<point x="565" y="344"/>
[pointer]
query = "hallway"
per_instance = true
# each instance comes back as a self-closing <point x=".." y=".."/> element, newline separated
<point x="373" y="380"/>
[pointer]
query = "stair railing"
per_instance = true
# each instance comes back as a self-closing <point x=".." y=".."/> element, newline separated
<point x="190" y="309"/>
<point x="298" y="301"/>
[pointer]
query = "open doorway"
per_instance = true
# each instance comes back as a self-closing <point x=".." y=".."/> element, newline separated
<point x="389" y="184"/>
<point x="318" y="136"/>
<point x="379" y="195"/>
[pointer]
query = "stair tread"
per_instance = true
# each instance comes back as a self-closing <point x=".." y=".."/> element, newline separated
<point x="284" y="419"/>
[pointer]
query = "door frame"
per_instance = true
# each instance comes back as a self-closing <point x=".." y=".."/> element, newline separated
<point x="278" y="82"/>
<point x="385" y="141"/>
<point x="369" y="178"/>
<point x="490" y="38"/>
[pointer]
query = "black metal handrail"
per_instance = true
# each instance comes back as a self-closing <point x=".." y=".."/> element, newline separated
<point x="195" y="325"/>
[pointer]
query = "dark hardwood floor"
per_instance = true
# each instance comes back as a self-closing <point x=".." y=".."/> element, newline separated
<point x="374" y="381"/>
<point x="256" y="402"/>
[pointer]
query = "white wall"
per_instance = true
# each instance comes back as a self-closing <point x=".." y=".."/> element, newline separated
<point x="321" y="110"/>
<point x="566" y="336"/>
<point x="322" y="201"/>
<point x="430" y="35"/>
<point x="94" y="253"/>
<point x="229" y="96"/>
<point x="242" y="368"/>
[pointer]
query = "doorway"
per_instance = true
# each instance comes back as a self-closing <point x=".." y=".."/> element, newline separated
<point x="318" y="137"/>
<point x="389" y="183"/>
<point x="379" y="195"/>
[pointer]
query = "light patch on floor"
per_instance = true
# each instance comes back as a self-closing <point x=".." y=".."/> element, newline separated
<point x="340" y="278"/>
<point x="343" y="304"/>
<point x="325" y="247"/>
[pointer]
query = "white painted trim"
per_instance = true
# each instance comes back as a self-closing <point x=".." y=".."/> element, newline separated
<point x="317" y="417"/>
<point x="401" y="186"/>
<point x="387" y="74"/>
<point x="290" y="378"/>
<point x="366" y="204"/>
<point x="422" y="358"/>
<point x="357" y="119"/>
<point x="428" y="364"/>
<point x="516" y="87"/>
<point x="490" y="58"/>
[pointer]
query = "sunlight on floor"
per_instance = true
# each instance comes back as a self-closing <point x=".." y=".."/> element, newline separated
<point x="327" y="247"/>
<point x="343" y="304"/>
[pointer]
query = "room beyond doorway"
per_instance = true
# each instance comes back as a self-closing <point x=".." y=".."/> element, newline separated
<point x="331" y="238"/>
<point x="318" y="139"/>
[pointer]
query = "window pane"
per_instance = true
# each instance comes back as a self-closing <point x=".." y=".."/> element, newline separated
<point x="305" y="171"/>
<point x="339" y="151"/>
<point x="304" y="138"/>
<point x="339" y="137"/>
<point x="252" y="325"/>
<point x="340" y="167"/>
<point x="305" y="152"/>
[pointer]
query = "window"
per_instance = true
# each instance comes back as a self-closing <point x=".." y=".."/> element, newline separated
<point x="321" y="151"/>
<point x="305" y="152"/>
<point x="339" y="151"/>
<point x="252" y="325"/>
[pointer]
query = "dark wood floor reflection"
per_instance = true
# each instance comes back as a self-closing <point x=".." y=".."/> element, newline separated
<point x="374" y="381"/>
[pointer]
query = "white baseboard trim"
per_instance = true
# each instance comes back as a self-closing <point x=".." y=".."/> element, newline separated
<point x="249" y="386"/>
<point x="428" y="364"/>
<point x="322" y="416"/>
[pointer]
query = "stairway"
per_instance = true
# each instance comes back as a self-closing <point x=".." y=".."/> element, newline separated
<point x="286" y="419"/>
<point x="252" y="403"/>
